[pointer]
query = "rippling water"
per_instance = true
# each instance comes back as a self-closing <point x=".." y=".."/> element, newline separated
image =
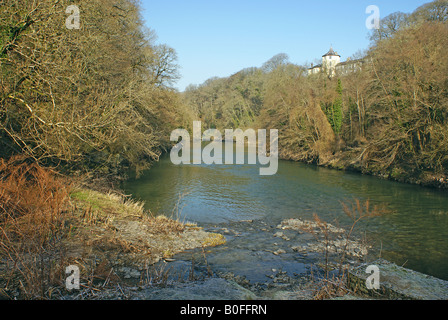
<point x="415" y="233"/>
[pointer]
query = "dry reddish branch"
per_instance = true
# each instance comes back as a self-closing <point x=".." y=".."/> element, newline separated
<point x="33" y="211"/>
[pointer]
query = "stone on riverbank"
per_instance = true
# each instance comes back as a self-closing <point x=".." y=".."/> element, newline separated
<point x="398" y="283"/>
<point x="307" y="225"/>
<point x="334" y="243"/>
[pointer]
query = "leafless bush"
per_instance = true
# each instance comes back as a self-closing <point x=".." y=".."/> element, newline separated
<point x="33" y="214"/>
<point x="331" y="285"/>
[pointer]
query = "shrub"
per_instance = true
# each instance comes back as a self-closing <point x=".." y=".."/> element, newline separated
<point x="33" y="212"/>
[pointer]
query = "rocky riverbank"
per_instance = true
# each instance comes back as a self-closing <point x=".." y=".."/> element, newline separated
<point x="258" y="261"/>
<point x="344" y="162"/>
<point x="124" y="233"/>
<point x="421" y="178"/>
<point x="208" y="274"/>
<point x="110" y="239"/>
<point x="124" y="252"/>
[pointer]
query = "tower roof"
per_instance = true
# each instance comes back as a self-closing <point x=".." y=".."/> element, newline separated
<point x="331" y="53"/>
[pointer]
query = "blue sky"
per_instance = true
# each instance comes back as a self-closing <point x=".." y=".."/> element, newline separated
<point x="221" y="37"/>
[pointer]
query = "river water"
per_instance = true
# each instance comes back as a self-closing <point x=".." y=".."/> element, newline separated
<point x="221" y="197"/>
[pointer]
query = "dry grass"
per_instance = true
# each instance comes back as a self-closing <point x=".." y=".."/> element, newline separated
<point x="165" y="225"/>
<point x="34" y="207"/>
<point x="335" y="285"/>
<point x="48" y="223"/>
<point x="104" y="208"/>
<point x="41" y="218"/>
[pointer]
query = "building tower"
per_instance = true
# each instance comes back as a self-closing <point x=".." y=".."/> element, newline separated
<point x="329" y="62"/>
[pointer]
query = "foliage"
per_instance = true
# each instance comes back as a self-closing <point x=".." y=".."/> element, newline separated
<point x="234" y="102"/>
<point x="34" y="209"/>
<point x="96" y="98"/>
<point x="334" y="110"/>
<point x="386" y="117"/>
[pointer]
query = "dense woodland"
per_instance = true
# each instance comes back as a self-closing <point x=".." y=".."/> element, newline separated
<point x="101" y="98"/>
<point x="98" y="98"/>
<point x="79" y="108"/>
<point x="390" y="118"/>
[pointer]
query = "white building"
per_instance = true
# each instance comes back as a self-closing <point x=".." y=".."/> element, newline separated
<point x="332" y="65"/>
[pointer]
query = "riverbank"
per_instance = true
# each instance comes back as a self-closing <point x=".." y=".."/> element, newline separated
<point x="343" y="161"/>
<point x="108" y="237"/>
<point x="124" y="251"/>
<point x="206" y="280"/>
<point x="193" y="274"/>
<point x="144" y="237"/>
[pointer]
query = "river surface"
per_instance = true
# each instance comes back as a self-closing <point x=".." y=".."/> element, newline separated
<point x="225" y="197"/>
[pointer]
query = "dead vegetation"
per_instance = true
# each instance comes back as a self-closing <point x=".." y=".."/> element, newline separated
<point x="34" y="211"/>
<point x="388" y="118"/>
<point x="333" y="282"/>
<point x="48" y="223"/>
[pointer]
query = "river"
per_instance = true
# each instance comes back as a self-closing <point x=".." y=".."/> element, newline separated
<point x="220" y="197"/>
